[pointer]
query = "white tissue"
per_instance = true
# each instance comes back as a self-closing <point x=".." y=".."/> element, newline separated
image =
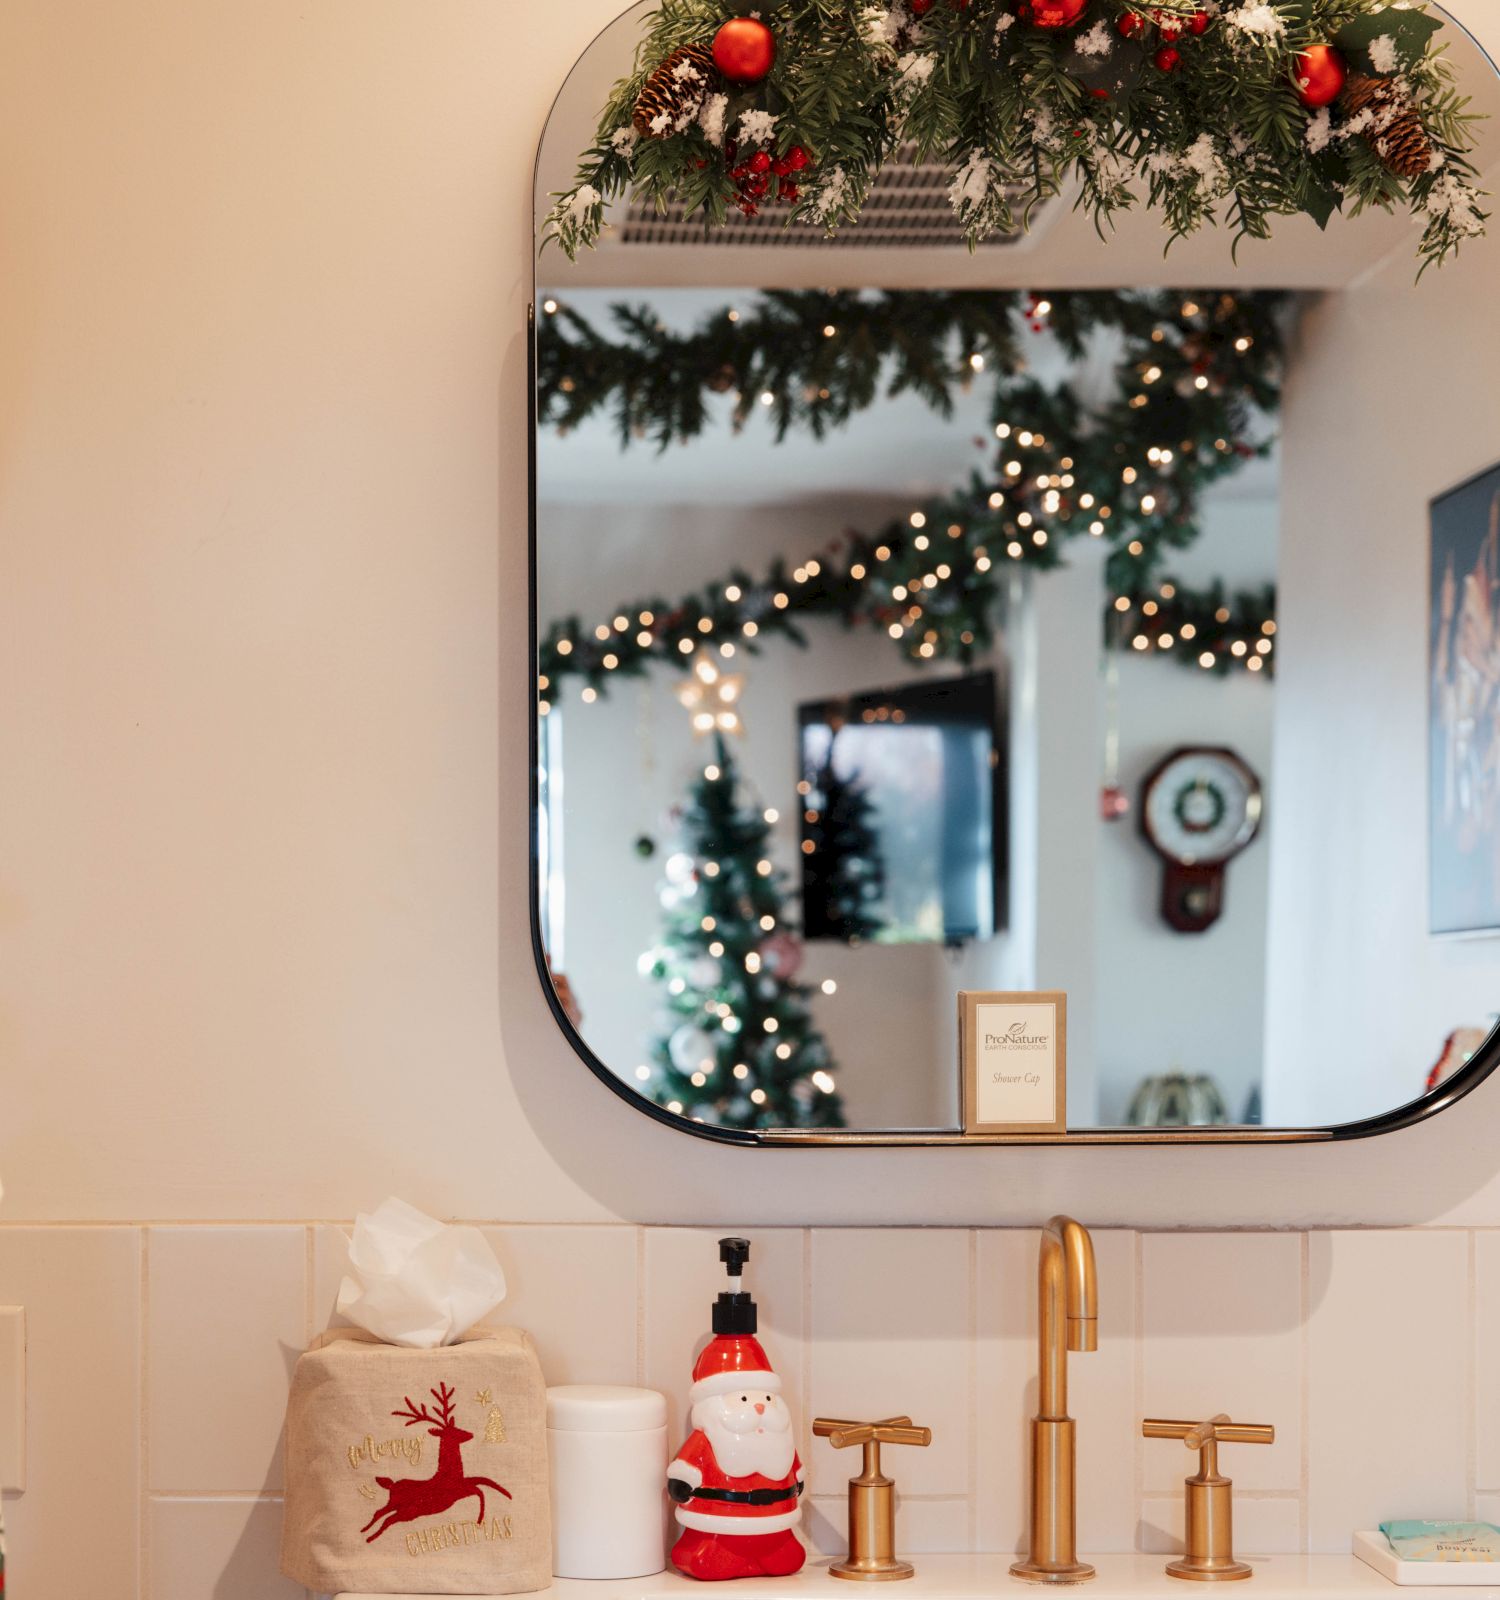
<point x="417" y="1281"/>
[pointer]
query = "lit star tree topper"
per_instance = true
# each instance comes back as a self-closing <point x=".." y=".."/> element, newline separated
<point x="711" y="697"/>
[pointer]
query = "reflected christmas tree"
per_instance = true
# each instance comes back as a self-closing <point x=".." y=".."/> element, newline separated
<point x="740" y="1048"/>
<point x="843" y="875"/>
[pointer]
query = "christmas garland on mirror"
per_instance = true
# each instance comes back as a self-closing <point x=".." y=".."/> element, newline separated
<point x="1250" y="109"/>
<point x="1198" y="375"/>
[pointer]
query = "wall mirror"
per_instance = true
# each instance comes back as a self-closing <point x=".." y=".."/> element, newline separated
<point x="1066" y="612"/>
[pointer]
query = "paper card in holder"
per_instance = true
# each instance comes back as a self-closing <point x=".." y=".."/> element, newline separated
<point x="1013" y="1048"/>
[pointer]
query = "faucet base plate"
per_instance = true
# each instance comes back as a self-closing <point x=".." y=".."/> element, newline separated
<point x="1208" y="1569"/>
<point x="1041" y="1572"/>
<point x="874" y="1569"/>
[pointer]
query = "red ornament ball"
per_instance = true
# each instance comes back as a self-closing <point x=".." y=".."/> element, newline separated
<point x="1131" y="25"/>
<point x="1319" y="73"/>
<point x="1167" y="59"/>
<point x="744" y="50"/>
<point x="1056" y="13"/>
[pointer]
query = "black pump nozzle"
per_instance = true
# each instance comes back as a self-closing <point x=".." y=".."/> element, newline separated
<point x="734" y="1253"/>
<point x="734" y="1311"/>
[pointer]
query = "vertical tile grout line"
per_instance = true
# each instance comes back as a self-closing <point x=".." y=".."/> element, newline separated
<point x="804" y="1359"/>
<point x="1304" y="1395"/>
<point x="1138" y="1384"/>
<point x="971" y="1409"/>
<point x="143" y="1492"/>
<point x="640" y="1307"/>
<point x="309" y="1286"/>
<point x="1471" y="1377"/>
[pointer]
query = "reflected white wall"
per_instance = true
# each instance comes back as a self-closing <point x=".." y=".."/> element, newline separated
<point x="1392" y="399"/>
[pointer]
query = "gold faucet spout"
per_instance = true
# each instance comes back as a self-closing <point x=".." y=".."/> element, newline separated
<point x="1067" y="1319"/>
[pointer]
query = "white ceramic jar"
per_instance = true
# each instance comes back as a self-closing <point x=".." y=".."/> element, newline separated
<point x="608" y="1453"/>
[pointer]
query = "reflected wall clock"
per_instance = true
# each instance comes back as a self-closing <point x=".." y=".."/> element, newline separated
<point x="1200" y="807"/>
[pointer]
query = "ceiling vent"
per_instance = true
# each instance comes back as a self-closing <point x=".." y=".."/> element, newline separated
<point x="907" y="207"/>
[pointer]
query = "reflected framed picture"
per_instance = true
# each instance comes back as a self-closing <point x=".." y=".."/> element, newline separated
<point x="1464" y="725"/>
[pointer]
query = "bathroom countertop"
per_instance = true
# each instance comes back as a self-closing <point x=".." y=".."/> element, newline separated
<point x="972" y="1577"/>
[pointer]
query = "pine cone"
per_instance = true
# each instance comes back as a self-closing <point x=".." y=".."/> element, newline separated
<point x="674" y="93"/>
<point x="1396" y="135"/>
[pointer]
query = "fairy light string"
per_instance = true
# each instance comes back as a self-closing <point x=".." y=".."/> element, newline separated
<point x="1195" y="384"/>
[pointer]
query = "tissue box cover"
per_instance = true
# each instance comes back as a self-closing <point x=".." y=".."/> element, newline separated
<point x="418" y="1471"/>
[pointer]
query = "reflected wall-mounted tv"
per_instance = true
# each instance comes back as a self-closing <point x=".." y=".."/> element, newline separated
<point x="904" y="801"/>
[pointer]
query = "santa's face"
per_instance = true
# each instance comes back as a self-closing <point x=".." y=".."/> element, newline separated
<point x="750" y="1431"/>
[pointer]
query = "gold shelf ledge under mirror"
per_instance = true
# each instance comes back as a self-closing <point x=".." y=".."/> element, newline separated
<point x="825" y="734"/>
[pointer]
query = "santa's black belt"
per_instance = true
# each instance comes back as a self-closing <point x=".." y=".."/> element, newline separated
<point x="748" y="1497"/>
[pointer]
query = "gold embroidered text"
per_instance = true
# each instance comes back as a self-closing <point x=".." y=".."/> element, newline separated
<point x="369" y="1449"/>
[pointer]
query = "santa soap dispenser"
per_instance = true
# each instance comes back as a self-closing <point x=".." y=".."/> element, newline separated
<point x="737" y="1481"/>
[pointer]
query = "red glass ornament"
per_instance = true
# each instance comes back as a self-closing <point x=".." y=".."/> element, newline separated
<point x="1319" y="73"/>
<point x="1167" y="59"/>
<point x="744" y="50"/>
<point x="1056" y="13"/>
<point x="1131" y="25"/>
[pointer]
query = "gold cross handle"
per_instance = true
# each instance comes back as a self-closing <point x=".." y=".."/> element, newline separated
<point x="872" y="1499"/>
<point x="893" y="1430"/>
<point x="1210" y="1510"/>
<point x="1219" y="1430"/>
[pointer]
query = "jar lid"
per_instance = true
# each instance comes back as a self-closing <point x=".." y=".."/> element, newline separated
<point x="604" y="1408"/>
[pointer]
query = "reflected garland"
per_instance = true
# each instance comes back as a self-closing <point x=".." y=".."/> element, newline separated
<point x="1197" y="377"/>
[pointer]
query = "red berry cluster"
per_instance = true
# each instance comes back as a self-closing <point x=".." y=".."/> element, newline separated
<point x="753" y="176"/>
<point x="1169" y="25"/>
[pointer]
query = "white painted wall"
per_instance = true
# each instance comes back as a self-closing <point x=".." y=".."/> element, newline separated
<point x="1173" y="1002"/>
<point x="263" y="893"/>
<point x="1361" y="997"/>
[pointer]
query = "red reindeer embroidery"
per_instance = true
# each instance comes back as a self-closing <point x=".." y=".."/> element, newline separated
<point x="410" y="1498"/>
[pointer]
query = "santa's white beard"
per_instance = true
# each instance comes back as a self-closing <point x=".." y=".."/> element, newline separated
<point x="764" y="1446"/>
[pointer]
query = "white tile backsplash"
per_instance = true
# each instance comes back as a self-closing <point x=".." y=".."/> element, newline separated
<point x="575" y="1291"/>
<point x="1369" y="1351"/>
<point x="892" y="1335"/>
<point x="226" y="1321"/>
<point x="1388" y="1381"/>
<point x="1222" y="1333"/>
<point x="224" y="1549"/>
<point x="1486" y="1345"/>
